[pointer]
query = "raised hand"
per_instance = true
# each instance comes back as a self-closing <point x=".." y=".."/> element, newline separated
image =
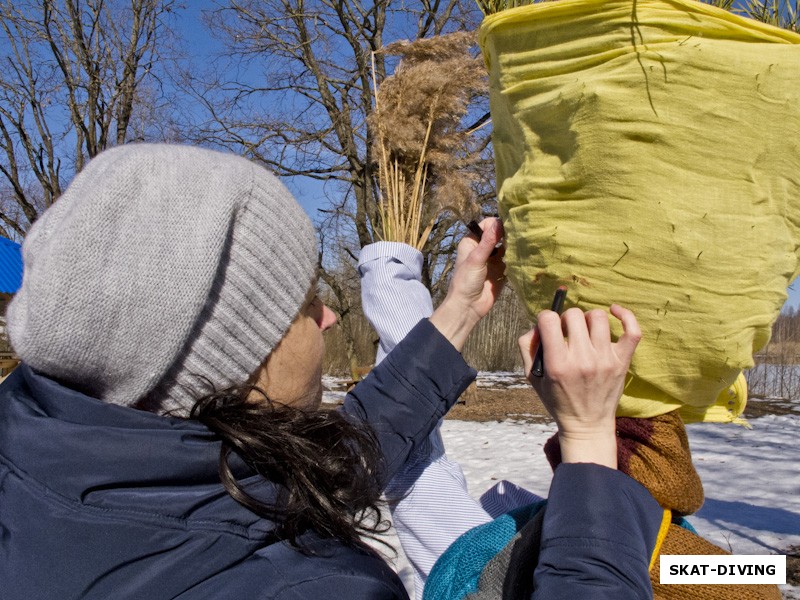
<point x="584" y="377"/>
<point x="477" y="281"/>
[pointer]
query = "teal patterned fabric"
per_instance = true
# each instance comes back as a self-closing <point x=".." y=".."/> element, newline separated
<point x="455" y="575"/>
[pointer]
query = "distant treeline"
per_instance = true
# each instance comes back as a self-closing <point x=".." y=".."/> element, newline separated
<point x="787" y="328"/>
<point x="493" y="347"/>
<point x="777" y="370"/>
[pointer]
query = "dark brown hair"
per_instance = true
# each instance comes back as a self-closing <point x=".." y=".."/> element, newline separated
<point x="328" y="466"/>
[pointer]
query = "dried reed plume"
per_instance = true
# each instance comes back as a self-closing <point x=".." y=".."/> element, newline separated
<point x="423" y="152"/>
<point x="489" y="7"/>
<point x="780" y="13"/>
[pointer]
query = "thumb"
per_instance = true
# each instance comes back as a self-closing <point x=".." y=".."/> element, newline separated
<point x="632" y="333"/>
<point x="528" y="343"/>
<point x="492" y="234"/>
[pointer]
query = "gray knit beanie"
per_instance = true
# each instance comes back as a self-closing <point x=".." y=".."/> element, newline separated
<point x="160" y="270"/>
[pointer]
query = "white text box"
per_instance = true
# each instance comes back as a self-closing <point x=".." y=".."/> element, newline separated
<point x="735" y="569"/>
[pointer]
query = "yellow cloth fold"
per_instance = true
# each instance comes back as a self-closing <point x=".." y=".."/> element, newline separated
<point x="647" y="154"/>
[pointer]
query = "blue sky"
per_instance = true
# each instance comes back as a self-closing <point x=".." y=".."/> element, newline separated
<point x="310" y="193"/>
<point x="794" y="295"/>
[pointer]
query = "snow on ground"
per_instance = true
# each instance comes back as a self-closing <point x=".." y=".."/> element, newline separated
<point x="501" y="379"/>
<point x="751" y="476"/>
<point x="334" y="389"/>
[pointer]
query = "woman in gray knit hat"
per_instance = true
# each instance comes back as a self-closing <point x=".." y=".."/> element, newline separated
<point x="160" y="439"/>
<point x="181" y="282"/>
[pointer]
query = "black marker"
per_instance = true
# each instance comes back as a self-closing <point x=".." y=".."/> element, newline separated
<point x="475" y="228"/>
<point x="478" y="232"/>
<point x="538" y="361"/>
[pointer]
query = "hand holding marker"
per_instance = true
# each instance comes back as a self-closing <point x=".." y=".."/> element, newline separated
<point x="475" y="228"/>
<point x="558" y="304"/>
<point x="478" y="232"/>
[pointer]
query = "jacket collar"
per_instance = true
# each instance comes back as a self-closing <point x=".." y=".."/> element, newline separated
<point x="116" y="457"/>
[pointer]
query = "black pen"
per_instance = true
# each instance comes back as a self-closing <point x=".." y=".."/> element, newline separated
<point x="476" y="229"/>
<point x="538" y="361"/>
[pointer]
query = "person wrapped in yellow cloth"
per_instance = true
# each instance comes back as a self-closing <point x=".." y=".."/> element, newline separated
<point x="645" y="155"/>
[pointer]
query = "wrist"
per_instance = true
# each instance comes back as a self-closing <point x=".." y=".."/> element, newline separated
<point x="596" y="447"/>
<point x="454" y="322"/>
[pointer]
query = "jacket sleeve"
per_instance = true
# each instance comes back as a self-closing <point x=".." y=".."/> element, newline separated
<point x="599" y="531"/>
<point x="405" y="396"/>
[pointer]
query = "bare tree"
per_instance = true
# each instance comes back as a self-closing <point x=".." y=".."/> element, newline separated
<point x="295" y="92"/>
<point x="303" y="111"/>
<point x="303" y="104"/>
<point x="73" y="75"/>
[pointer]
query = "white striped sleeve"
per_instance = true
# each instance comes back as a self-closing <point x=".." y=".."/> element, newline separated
<point x="392" y="294"/>
<point x="434" y="506"/>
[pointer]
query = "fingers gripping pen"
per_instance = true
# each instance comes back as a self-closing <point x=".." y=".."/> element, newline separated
<point x="538" y="361"/>
<point x="478" y="232"/>
<point x="475" y="228"/>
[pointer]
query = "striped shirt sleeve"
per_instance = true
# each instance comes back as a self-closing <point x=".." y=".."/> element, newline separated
<point x="433" y="507"/>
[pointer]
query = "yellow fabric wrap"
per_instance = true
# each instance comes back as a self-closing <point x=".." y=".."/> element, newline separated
<point x="647" y="154"/>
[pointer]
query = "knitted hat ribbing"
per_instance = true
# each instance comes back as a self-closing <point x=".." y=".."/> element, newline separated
<point x="162" y="269"/>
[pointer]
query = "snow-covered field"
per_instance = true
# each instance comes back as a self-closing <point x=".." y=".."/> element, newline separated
<point x="751" y="476"/>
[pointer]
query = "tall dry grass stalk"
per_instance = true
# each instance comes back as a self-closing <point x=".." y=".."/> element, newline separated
<point x="780" y="13"/>
<point x="423" y="151"/>
<point x="491" y="347"/>
<point x="489" y="7"/>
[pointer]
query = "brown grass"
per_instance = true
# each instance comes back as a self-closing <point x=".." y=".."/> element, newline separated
<point x="497" y="404"/>
<point x="793" y="565"/>
<point x="501" y="404"/>
<point x="422" y="150"/>
<point x="493" y="404"/>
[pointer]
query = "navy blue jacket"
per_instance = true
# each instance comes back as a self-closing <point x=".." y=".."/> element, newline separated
<point x="598" y="534"/>
<point x="103" y="501"/>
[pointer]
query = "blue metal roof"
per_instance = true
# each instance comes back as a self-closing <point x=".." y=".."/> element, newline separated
<point x="10" y="266"/>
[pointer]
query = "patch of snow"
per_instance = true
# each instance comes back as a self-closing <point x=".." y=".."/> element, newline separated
<point x="501" y="379"/>
<point x="334" y="389"/>
<point x="750" y="476"/>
